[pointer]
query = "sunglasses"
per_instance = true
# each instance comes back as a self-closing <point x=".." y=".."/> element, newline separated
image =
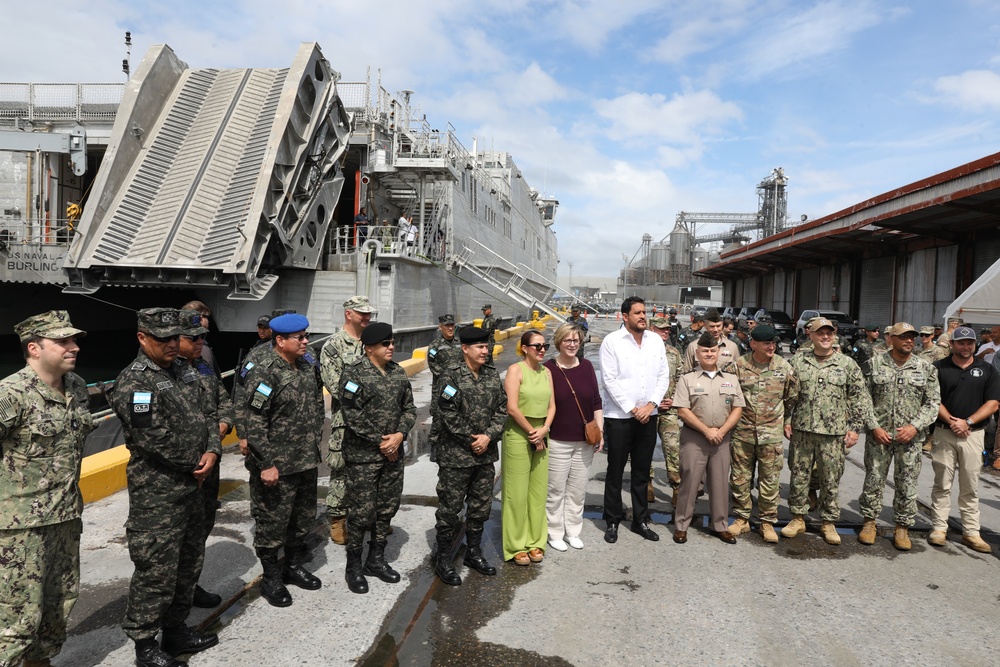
<point x="165" y="339"/>
<point x="299" y="337"/>
<point x="926" y="335"/>
<point x="194" y="339"/>
<point x="389" y="342"/>
<point x="541" y="347"/>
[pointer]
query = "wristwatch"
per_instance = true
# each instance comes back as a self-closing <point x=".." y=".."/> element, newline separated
<point x="970" y="423"/>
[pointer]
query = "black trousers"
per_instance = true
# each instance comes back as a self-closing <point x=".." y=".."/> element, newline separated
<point x="625" y="438"/>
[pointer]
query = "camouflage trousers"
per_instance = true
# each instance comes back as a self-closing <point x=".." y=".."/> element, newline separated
<point x="373" y="492"/>
<point x="813" y="477"/>
<point x="167" y="547"/>
<point x="827" y="453"/>
<point x="285" y="513"/>
<point x="335" y="458"/>
<point x="668" y="427"/>
<point x="210" y="495"/>
<point x="906" y="470"/>
<point x="471" y="487"/>
<point x="768" y="460"/>
<point x="39" y="584"/>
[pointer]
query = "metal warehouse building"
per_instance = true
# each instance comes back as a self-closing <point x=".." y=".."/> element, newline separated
<point x="903" y="255"/>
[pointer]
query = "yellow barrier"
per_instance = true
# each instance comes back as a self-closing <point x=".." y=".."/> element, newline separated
<point x="103" y="473"/>
<point x="413" y="366"/>
<point x="420" y="353"/>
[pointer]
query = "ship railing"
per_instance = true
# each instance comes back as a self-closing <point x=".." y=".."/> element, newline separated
<point x="59" y="101"/>
<point x="427" y="245"/>
<point x="38" y="231"/>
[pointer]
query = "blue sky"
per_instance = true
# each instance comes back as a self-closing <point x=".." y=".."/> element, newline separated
<point x="626" y="111"/>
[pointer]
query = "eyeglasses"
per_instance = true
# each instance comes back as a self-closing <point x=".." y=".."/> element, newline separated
<point x="195" y="339"/>
<point x="541" y="347"/>
<point x="389" y="342"/>
<point x="299" y="337"/>
<point x="571" y="341"/>
<point x="165" y="339"/>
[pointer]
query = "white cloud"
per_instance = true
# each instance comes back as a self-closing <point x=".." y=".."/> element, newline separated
<point x="974" y="90"/>
<point x="682" y="119"/>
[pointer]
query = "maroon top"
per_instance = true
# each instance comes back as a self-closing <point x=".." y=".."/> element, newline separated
<point x="567" y="425"/>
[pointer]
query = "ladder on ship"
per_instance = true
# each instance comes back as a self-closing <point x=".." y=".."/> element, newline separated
<point x="506" y="276"/>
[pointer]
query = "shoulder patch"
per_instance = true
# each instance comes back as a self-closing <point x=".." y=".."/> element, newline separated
<point x="8" y="409"/>
<point x="449" y="391"/>
<point x="351" y="386"/>
<point x="264" y="389"/>
<point x="433" y="351"/>
<point x="310" y="359"/>
<point x="246" y="368"/>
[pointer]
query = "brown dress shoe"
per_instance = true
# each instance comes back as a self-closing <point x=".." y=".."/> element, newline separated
<point x="726" y="536"/>
<point x="680" y="536"/>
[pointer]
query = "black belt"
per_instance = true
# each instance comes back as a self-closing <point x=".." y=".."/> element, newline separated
<point x="941" y="424"/>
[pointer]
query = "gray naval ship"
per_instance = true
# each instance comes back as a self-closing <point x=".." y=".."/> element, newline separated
<point x="243" y="188"/>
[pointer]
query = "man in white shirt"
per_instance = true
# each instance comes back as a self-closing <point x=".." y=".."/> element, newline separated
<point x="987" y="350"/>
<point x="635" y="376"/>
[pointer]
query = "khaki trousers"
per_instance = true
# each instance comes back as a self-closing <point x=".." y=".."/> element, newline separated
<point x="948" y="455"/>
<point x="698" y="457"/>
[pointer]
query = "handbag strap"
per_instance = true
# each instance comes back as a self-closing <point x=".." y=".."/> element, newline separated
<point x="579" y="407"/>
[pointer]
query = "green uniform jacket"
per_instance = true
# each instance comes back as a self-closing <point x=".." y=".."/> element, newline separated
<point x="41" y="441"/>
<point x="341" y="350"/>
<point x="252" y="358"/>
<point x="770" y="394"/>
<point x="470" y="406"/>
<point x="907" y="394"/>
<point x="675" y="361"/>
<point x="374" y="404"/>
<point x="167" y="429"/>
<point x="833" y="397"/>
<point x="284" y="414"/>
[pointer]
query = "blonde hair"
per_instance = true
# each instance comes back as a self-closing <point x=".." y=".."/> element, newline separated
<point x="563" y="332"/>
<point x="526" y="339"/>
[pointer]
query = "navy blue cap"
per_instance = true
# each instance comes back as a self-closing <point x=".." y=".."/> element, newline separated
<point x="288" y="324"/>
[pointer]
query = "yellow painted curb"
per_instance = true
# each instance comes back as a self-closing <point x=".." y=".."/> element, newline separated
<point x="103" y="473"/>
<point x="420" y="353"/>
<point x="413" y="366"/>
<point x="497" y="351"/>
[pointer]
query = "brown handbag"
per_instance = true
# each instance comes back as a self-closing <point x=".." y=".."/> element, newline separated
<point x="591" y="431"/>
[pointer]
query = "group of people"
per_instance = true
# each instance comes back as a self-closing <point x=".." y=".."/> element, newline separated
<point x="720" y="416"/>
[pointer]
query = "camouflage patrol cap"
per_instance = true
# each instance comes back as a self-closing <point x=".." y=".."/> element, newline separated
<point x="900" y="328"/>
<point x="191" y="323"/>
<point x="161" y="322"/>
<point x="263" y="321"/>
<point x="488" y="306"/>
<point x="955" y="319"/>
<point x="659" y="322"/>
<point x="817" y="323"/>
<point x="886" y="330"/>
<point x="926" y="331"/>
<point x="359" y="304"/>
<point x="447" y="318"/>
<point x="54" y="324"/>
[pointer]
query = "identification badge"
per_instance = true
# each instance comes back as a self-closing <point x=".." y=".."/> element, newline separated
<point x="697" y="390"/>
<point x="164" y="385"/>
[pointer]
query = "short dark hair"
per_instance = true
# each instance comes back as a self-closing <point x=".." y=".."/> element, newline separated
<point x="28" y="341"/>
<point x="631" y="301"/>
<point x="198" y="306"/>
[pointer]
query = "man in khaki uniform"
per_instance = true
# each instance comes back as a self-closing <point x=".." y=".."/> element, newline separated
<point x="44" y="421"/>
<point x="710" y="403"/>
<point x="728" y="350"/>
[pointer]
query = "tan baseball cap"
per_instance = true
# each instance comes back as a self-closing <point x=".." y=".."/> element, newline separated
<point x="817" y="323"/>
<point x="927" y="331"/>
<point x="900" y="328"/>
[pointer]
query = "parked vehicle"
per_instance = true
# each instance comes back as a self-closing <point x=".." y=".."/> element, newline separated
<point x="745" y="313"/>
<point x="846" y="327"/>
<point x="781" y="322"/>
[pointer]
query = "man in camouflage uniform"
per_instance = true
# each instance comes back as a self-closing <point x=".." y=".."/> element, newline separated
<point x="490" y="327"/>
<point x="173" y="446"/>
<point x="220" y="409"/>
<point x="728" y="350"/>
<point x="770" y="388"/>
<point x="690" y="334"/>
<point x="675" y="328"/>
<point x="284" y="427"/>
<point x="881" y="345"/>
<point x="253" y="357"/>
<point x="377" y="401"/>
<point x="944" y="340"/>
<point x="444" y="351"/>
<point x="473" y="408"/>
<point x="864" y="347"/>
<point x="905" y="395"/>
<point x="44" y="422"/>
<point x="342" y="349"/>
<point x="580" y="322"/>
<point x="833" y="398"/>
<point x="667" y="423"/>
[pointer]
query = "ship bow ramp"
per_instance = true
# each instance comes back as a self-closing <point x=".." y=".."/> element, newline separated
<point x="213" y="177"/>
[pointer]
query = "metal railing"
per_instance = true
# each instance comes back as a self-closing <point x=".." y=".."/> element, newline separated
<point x="22" y="231"/>
<point x="59" y="101"/>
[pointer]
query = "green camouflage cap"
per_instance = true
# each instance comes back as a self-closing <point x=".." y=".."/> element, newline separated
<point x="191" y="323"/>
<point x="927" y="331"/>
<point x="446" y="319"/>
<point x="53" y="324"/>
<point x="659" y="322"/>
<point x="359" y="304"/>
<point x="161" y="322"/>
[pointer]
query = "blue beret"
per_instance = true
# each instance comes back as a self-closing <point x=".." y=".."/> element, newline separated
<point x="288" y="324"/>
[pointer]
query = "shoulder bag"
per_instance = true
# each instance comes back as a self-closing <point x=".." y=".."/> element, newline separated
<point x="591" y="431"/>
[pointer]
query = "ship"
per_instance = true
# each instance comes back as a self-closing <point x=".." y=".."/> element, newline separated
<point x="244" y="188"/>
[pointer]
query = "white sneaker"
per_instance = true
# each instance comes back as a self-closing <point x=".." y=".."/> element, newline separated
<point x="575" y="542"/>
<point x="558" y="545"/>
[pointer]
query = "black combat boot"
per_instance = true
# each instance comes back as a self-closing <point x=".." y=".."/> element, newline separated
<point x="294" y="573"/>
<point x="375" y="565"/>
<point x="149" y="654"/>
<point x="205" y="600"/>
<point x="271" y="586"/>
<point x="443" y="565"/>
<point x="474" y="554"/>
<point x="181" y="639"/>
<point x="353" y="575"/>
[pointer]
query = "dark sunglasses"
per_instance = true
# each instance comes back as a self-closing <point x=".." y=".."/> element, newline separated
<point x="389" y="342"/>
<point x="195" y="338"/>
<point x="541" y="347"/>
<point x="926" y="335"/>
<point x="165" y="339"/>
<point x="299" y="337"/>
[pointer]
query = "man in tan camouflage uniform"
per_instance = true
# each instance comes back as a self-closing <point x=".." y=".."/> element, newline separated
<point x="832" y="399"/>
<point x="770" y="389"/>
<point x="377" y="402"/>
<point x="44" y="421"/>
<point x="343" y="348"/>
<point x="667" y="423"/>
<point x="173" y="445"/>
<point x="928" y="349"/>
<point x="905" y="395"/>
<point x="944" y="340"/>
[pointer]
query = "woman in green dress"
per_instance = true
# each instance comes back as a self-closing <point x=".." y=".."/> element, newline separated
<point x="524" y="456"/>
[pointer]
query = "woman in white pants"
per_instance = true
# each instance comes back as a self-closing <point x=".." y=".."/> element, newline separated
<point x="570" y="455"/>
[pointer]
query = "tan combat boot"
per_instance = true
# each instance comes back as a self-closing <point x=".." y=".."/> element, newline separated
<point x="938" y="538"/>
<point x="796" y="526"/>
<point x="830" y="535"/>
<point x="901" y="538"/>
<point x="338" y="530"/>
<point x="739" y="526"/>
<point x="767" y="532"/>
<point x="868" y="532"/>
<point x="649" y="493"/>
<point x="976" y="543"/>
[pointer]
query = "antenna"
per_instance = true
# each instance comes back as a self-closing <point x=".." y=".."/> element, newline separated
<point x="127" y="61"/>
